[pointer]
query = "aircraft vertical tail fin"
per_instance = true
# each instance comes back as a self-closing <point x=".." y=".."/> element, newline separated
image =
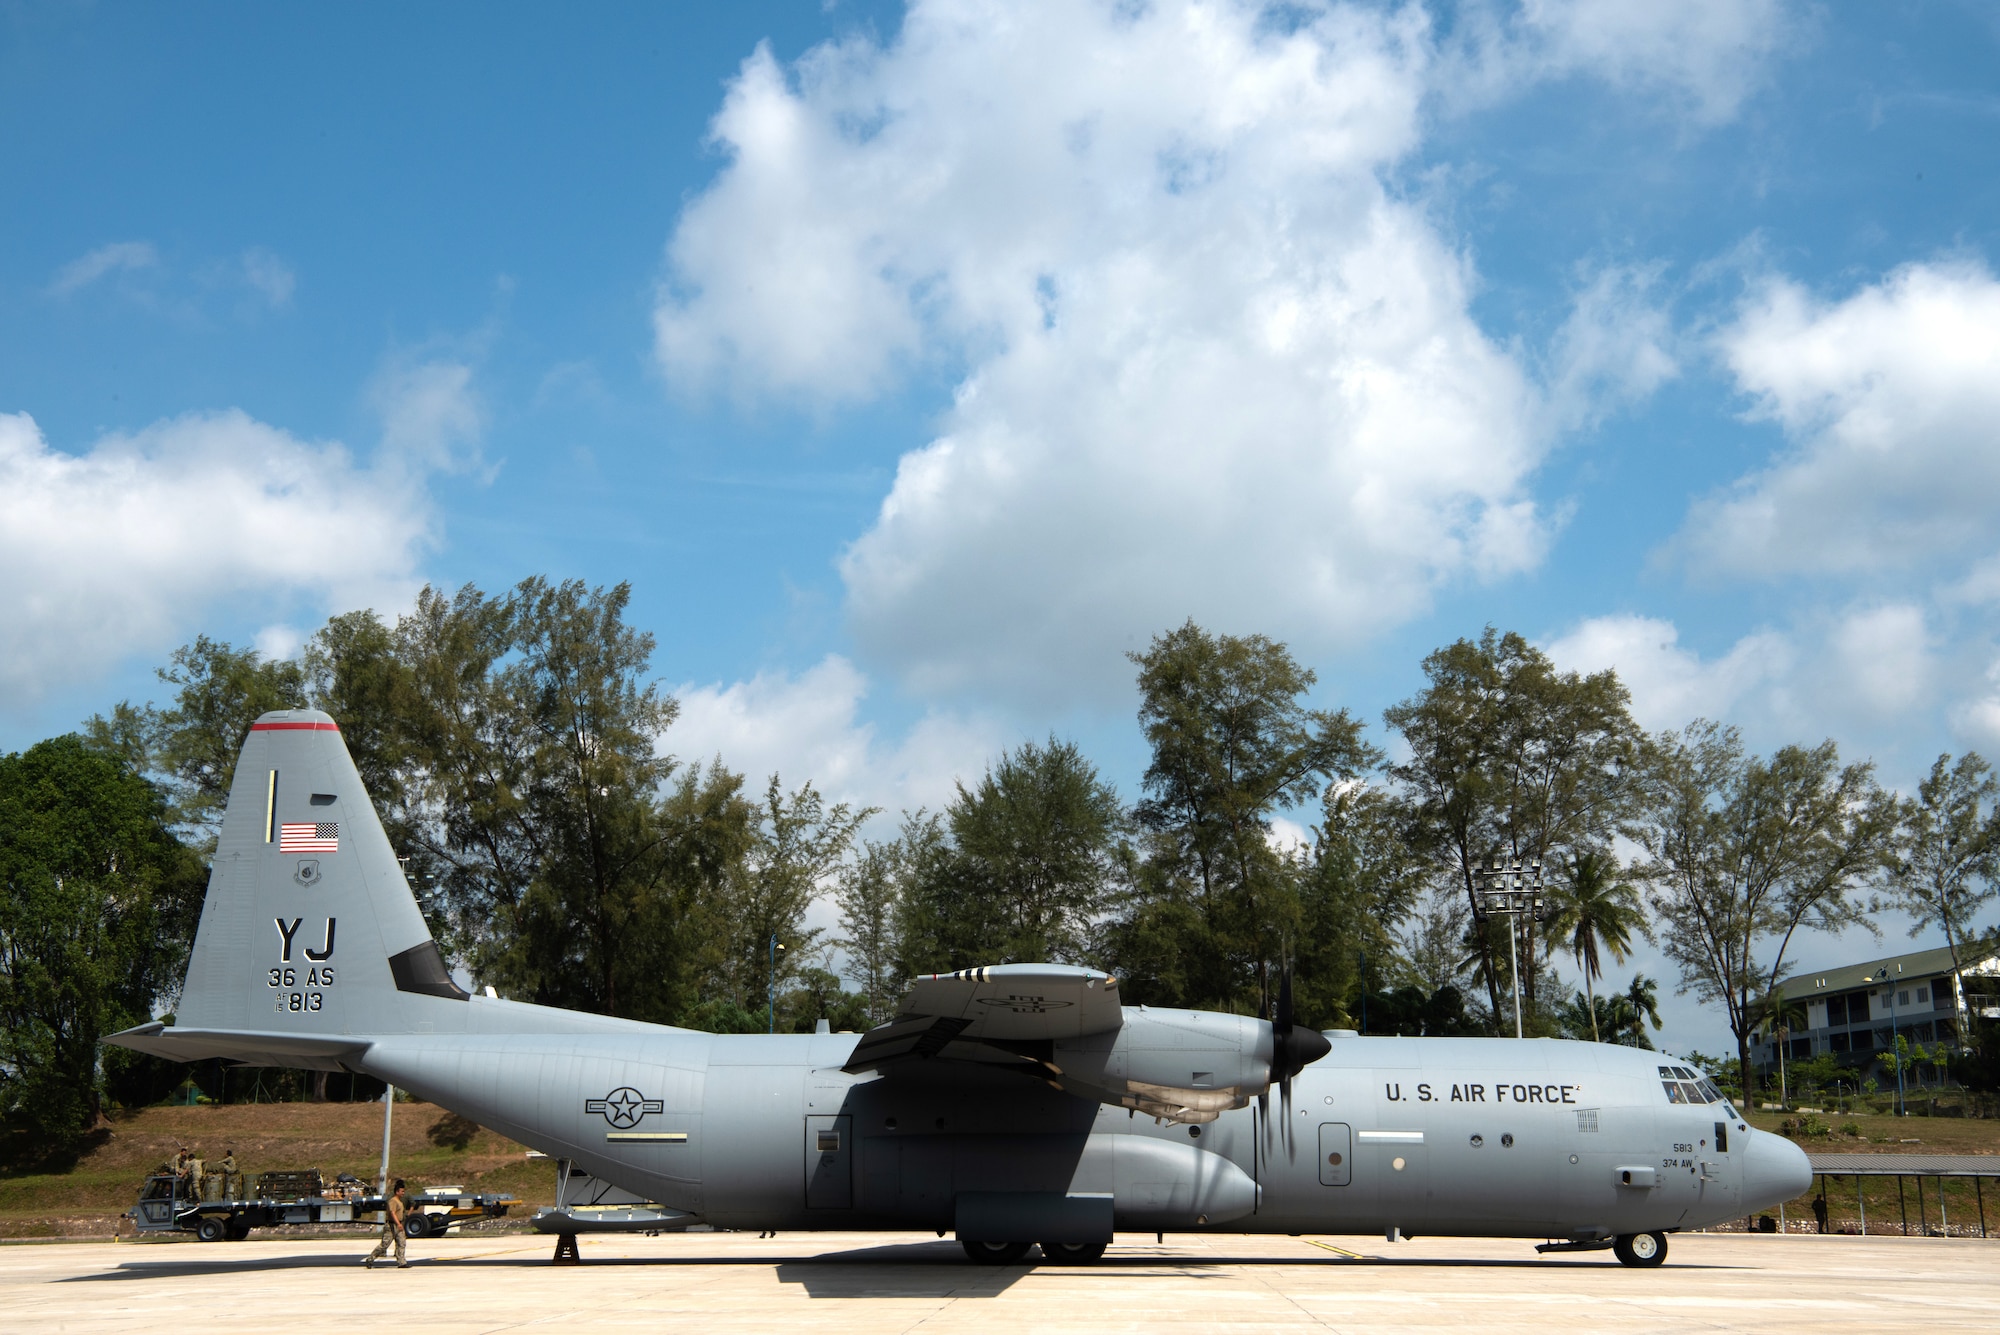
<point x="309" y="926"/>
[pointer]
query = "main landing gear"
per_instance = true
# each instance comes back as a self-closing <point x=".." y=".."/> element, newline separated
<point x="996" y="1253"/>
<point x="1641" y="1249"/>
<point x="1055" y="1253"/>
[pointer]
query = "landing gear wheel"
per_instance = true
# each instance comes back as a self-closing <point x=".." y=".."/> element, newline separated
<point x="1073" y="1253"/>
<point x="1641" y="1249"/>
<point x="996" y="1253"/>
<point x="211" y="1229"/>
<point x="418" y="1225"/>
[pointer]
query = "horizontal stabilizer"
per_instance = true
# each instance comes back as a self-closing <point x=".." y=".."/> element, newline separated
<point x="245" y="1048"/>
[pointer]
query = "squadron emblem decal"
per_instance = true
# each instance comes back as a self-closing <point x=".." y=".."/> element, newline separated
<point x="1022" y="1005"/>
<point x="623" y="1106"/>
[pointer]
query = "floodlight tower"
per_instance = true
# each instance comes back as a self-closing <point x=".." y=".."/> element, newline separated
<point x="1510" y="888"/>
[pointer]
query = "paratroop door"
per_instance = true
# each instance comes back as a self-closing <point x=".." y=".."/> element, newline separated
<point x="829" y="1163"/>
<point x="1336" y="1152"/>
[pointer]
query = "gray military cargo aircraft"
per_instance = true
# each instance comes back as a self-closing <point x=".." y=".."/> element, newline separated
<point x="1018" y="1105"/>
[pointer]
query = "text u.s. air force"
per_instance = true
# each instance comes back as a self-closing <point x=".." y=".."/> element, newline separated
<point x="1499" y="1092"/>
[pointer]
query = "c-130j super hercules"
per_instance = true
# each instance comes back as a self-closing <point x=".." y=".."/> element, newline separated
<point x="1018" y="1105"/>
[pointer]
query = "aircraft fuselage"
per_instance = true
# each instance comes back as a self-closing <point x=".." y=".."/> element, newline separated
<point x="1540" y="1138"/>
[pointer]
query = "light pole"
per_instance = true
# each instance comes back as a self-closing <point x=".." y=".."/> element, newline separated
<point x="772" y="992"/>
<point x="1883" y="974"/>
<point x="1510" y="888"/>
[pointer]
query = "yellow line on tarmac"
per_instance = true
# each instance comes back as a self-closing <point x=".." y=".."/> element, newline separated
<point x="1339" y="1251"/>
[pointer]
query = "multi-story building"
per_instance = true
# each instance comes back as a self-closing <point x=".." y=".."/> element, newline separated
<point x="1855" y="1011"/>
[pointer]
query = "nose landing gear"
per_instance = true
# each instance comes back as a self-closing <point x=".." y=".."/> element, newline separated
<point x="1641" y="1249"/>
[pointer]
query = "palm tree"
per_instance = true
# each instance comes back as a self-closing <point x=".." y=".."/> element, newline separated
<point x="1598" y="916"/>
<point x="1641" y="1003"/>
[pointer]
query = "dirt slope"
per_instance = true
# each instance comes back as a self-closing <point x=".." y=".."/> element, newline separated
<point x="427" y="1147"/>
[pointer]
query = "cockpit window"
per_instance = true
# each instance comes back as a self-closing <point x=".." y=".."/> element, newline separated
<point x="1685" y="1086"/>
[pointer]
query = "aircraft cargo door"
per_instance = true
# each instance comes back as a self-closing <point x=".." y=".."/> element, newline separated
<point x="1336" y="1154"/>
<point x="829" y="1163"/>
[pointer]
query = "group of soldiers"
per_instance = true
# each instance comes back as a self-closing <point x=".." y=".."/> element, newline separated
<point x="199" y="1182"/>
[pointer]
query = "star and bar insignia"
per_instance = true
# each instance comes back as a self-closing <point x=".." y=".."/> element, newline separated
<point x="624" y="1106"/>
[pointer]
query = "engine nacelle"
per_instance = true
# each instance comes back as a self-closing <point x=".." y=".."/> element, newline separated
<point x="1180" y="1065"/>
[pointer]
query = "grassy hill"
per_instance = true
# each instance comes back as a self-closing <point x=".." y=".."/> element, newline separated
<point x="428" y="1145"/>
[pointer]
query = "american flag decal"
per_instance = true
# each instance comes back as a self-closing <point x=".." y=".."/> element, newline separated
<point x="306" y="837"/>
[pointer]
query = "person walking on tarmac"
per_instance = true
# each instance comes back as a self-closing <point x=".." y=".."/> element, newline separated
<point x="392" y="1230"/>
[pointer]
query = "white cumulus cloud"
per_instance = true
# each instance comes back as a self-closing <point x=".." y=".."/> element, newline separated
<point x="117" y="257"/>
<point x="120" y="548"/>
<point x="1707" y="56"/>
<point x="270" y="276"/>
<point x="1615" y="348"/>
<point x="807" y="726"/>
<point x="431" y="414"/>
<point x="1214" y="366"/>
<point x="1867" y="674"/>
<point x="123" y="547"/>
<point x="1891" y="399"/>
<point x="1671" y="686"/>
<point x="1882" y="657"/>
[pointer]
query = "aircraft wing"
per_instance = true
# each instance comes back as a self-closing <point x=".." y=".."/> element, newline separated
<point x="1000" y="1005"/>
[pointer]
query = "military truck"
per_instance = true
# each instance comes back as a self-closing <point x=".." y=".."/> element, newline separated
<point x="301" y="1197"/>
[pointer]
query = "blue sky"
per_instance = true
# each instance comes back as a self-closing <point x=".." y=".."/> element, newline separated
<point x="915" y="365"/>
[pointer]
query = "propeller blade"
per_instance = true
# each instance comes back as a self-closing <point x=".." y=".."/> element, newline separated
<point x="1285" y="1107"/>
<point x="1293" y="1047"/>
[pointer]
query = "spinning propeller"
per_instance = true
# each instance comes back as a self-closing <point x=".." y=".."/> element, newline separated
<point x="1293" y="1048"/>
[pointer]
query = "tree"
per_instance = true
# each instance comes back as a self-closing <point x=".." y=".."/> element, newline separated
<point x="563" y="857"/>
<point x="1743" y="852"/>
<point x="1509" y="756"/>
<point x="1410" y="1011"/>
<point x="1622" y="1017"/>
<point x="98" y="901"/>
<point x="1596" y="911"/>
<point x="1021" y="866"/>
<point x="1436" y="947"/>
<point x="192" y="745"/>
<point x="798" y="844"/>
<point x="868" y="894"/>
<point x="1357" y="880"/>
<point x="469" y="770"/>
<point x="1036" y="842"/>
<point x="1944" y="865"/>
<point x="939" y="927"/>
<point x="1642" y="1005"/>
<point x="1232" y="743"/>
<point x="565" y="770"/>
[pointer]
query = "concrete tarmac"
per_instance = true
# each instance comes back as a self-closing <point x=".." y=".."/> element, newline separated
<point x="805" y="1283"/>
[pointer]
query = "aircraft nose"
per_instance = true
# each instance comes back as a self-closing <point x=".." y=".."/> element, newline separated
<point x="1774" y="1171"/>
